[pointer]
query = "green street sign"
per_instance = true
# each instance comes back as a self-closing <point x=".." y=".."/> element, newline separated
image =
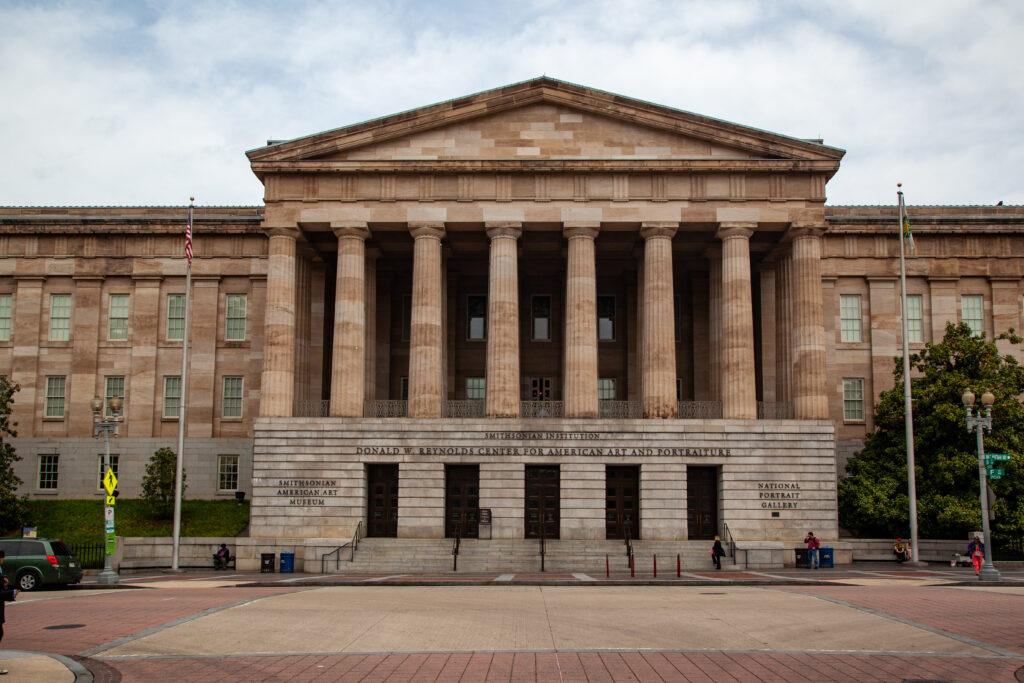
<point x="996" y="472"/>
<point x="996" y="457"/>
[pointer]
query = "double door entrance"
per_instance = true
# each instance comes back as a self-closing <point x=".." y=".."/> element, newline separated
<point x="542" y="501"/>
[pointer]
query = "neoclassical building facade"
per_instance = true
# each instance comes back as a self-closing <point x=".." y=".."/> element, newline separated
<point x="538" y="311"/>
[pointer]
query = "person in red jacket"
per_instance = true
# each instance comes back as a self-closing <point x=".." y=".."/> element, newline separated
<point x="812" y="549"/>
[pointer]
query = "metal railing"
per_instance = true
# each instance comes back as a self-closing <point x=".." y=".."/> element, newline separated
<point x="617" y="410"/>
<point x="543" y="550"/>
<point x="730" y="542"/>
<point x="774" y="411"/>
<point x="386" y="409"/>
<point x="352" y="545"/>
<point x="629" y="548"/>
<point x="89" y="555"/>
<point x="455" y="548"/>
<point x="699" y="410"/>
<point x="467" y="408"/>
<point x="541" y="409"/>
<point x="311" y="408"/>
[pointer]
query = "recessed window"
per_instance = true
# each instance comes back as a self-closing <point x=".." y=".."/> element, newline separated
<point x="232" y="404"/>
<point x="5" y="317"/>
<point x="175" y="317"/>
<point x="853" y="400"/>
<point x="103" y="471"/>
<point x="606" y="318"/>
<point x="540" y="388"/>
<point x="227" y="472"/>
<point x="849" y="318"/>
<point x="55" y="396"/>
<point x="235" y="318"/>
<point x="48" y="470"/>
<point x="972" y="312"/>
<point x="476" y="388"/>
<point x="60" y="317"/>
<point x="114" y="387"/>
<point x="606" y="389"/>
<point x="172" y="397"/>
<point x="541" y="316"/>
<point x="476" y="313"/>
<point x="915" y="319"/>
<point x="117" y="317"/>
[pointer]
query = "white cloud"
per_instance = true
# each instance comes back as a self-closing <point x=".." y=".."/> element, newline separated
<point x="112" y="103"/>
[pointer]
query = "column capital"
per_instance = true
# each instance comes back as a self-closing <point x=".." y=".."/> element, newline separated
<point x="290" y="231"/>
<point x="420" y="229"/>
<point x="729" y="229"/>
<point x="799" y="229"/>
<point x="511" y="229"/>
<point x="581" y="229"/>
<point x="355" y="229"/>
<point x="649" y="229"/>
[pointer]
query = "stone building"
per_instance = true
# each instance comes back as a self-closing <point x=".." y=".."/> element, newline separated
<point x="538" y="311"/>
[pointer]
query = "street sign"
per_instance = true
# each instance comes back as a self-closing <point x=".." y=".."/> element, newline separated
<point x="996" y="472"/>
<point x="111" y="543"/>
<point x="110" y="502"/>
<point x="110" y="526"/>
<point x="996" y="457"/>
<point x="110" y="481"/>
<point x="108" y="514"/>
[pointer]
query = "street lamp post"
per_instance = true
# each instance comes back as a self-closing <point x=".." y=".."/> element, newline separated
<point x="106" y="426"/>
<point x="979" y="425"/>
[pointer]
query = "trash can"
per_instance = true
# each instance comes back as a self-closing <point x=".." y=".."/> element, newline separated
<point x="287" y="563"/>
<point x="825" y="558"/>
<point x="801" y="558"/>
<point x="267" y="563"/>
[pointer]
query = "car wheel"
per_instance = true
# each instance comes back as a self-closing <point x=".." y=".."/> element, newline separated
<point x="28" y="581"/>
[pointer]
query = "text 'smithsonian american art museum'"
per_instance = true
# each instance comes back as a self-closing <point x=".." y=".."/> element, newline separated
<point x="541" y="311"/>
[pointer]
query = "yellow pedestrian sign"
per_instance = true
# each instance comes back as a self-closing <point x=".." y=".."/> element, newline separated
<point x="110" y="481"/>
<point x="110" y="500"/>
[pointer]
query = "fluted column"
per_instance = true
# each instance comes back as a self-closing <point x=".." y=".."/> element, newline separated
<point x="580" y="392"/>
<point x="370" y="376"/>
<point x="810" y="400"/>
<point x="277" y="385"/>
<point x="739" y="382"/>
<point x="659" y="343"/>
<point x="425" y="347"/>
<point x="348" y="358"/>
<point x="503" y="321"/>
<point x="714" y="256"/>
<point x="783" y="329"/>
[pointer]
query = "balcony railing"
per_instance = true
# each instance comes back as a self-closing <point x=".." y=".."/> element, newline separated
<point x="541" y="409"/>
<point x="386" y="409"/>
<point x="468" y="408"/>
<point x="311" y="409"/>
<point x="699" y="410"/>
<point x="620" y="410"/>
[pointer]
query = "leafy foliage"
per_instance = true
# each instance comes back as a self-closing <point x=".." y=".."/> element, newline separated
<point x="158" y="484"/>
<point x="873" y="498"/>
<point x="13" y="511"/>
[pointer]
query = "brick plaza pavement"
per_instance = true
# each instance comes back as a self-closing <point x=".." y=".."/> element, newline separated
<point x="973" y="633"/>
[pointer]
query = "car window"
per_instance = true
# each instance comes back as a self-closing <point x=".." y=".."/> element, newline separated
<point x="9" y="547"/>
<point x="32" y="548"/>
<point x="59" y="548"/>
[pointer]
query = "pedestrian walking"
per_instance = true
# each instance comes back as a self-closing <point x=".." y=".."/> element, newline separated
<point x="812" y="549"/>
<point x="717" y="552"/>
<point x="6" y="595"/>
<point x="976" y="549"/>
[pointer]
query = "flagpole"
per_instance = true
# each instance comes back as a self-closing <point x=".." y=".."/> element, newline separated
<point x="908" y="416"/>
<point x="183" y="394"/>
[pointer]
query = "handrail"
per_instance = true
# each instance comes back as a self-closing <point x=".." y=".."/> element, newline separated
<point x="352" y="544"/>
<point x="730" y="542"/>
<point x="543" y="540"/>
<point x="455" y="547"/>
<point x="629" y="547"/>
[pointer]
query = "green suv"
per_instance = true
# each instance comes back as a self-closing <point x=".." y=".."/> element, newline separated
<point x="32" y="562"/>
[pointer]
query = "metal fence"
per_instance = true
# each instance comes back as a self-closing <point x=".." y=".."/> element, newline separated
<point x="311" y="409"/>
<point x="541" y="409"/>
<point x="89" y="555"/>
<point x="468" y="408"/>
<point x="611" y="410"/>
<point x="700" y="410"/>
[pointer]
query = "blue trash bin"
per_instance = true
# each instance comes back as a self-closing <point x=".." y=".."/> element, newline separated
<point x="825" y="558"/>
<point x="287" y="563"/>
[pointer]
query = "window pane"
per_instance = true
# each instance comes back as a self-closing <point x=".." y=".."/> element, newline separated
<point x="60" y="317"/>
<point x="54" y="397"/>
<point x="914" y="317"/>
<point x="176" y="316"/>
<point x="853" y="399"/>
<point x="606" y="389"/>
<point x="541" y="318"/>
<point x="235" y="317"/>
<point x="477" y="314"/>
<point x="5" y="317"/>
<point x="232" y="397"/>
<point x="849" y="313"/>
<point x="114" y="387"/>
<point x="117" y="317"/>
<point x="475" y="388"/>
<point x="227" y="472"/>
<point x="606" y="318"/>
<point x="972" y="306"/>
<point x="48" y="465"/>
<point x="172" y="396"/>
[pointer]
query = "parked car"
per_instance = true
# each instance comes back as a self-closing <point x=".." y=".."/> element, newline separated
<point x="32" y="562"/>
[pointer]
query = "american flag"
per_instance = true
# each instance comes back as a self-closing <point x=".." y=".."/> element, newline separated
<point x="188" y="237"/>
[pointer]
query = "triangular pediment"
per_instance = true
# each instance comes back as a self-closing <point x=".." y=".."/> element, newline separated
<point x="543" y="119"/>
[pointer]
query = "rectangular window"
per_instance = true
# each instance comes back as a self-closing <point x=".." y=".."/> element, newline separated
<point x="540" y="388"/>
<point x="117" y="317"/>
<point x="48" y="465"/>
<point x="476" y="313"/>
<point x="541" y="316"/>
<point x="60" y="317"/>
<point x="232" y="397"/>
<point x="853" y="400"/>
<point x="102" y="471"/>
<point x="115" y="387"/>
<point x="172" y="396"/>
<point x="606" y="318"/>
<point x="915" y="318"/>
<point x="55" y="397"/>
<point x="606" y="389"/>
<point x="175" y="317"/>
<point x="235" y="330"/>
<point x="849" y="316"/>
<point x="227" y="472"/>
<point x="476" y="388"/>
<point x="5" y="317"/>
<point x="407" y="317"/>
<point x="972" y="307"/>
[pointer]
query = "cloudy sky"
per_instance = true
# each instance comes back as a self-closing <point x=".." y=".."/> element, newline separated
<point x="134" y="102"/>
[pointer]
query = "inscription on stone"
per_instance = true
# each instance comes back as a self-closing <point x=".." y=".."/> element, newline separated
<point x="307" y="491"/>
<point x="778" y="495"/>
<point x="538" y="450"/>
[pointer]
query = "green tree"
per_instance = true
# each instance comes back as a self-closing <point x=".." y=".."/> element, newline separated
<point x="13" y="510"/>
<point x="158" y="484"/>
<point x="873" y="498"/>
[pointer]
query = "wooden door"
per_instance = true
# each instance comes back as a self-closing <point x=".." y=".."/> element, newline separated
<point x="542" y="501"/>
<point x="462" y="501"/>
<point x="702" y="502"/>
<point x="622" y="502"/>
<point x="382" y="501"/>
